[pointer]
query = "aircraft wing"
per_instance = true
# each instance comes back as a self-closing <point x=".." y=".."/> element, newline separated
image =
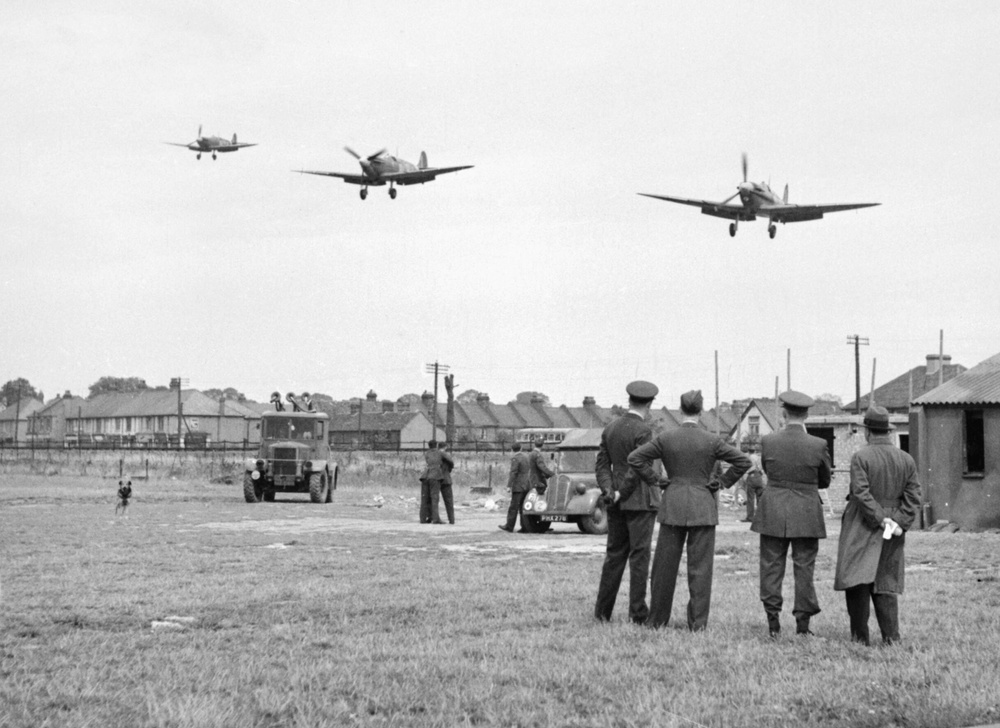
<point x="233" y="147"/>
<point x="192" y="145"/>
<point x="421" y="175"/>
<point x="351" y="179"/>
<point x="800" y="213"/>
<point x="715" y="209"/>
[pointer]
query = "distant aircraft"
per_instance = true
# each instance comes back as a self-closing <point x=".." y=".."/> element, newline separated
<point x="758" y="199"/>
<point x="212" y="144"/>
<point x="380" y="168"/>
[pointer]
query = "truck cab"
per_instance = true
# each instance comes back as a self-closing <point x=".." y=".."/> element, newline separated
<point x="294" y="457"/>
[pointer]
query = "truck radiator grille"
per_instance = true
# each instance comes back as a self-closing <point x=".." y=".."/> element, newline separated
<point x="558" y="494"/>
<point x="284" y="462"/>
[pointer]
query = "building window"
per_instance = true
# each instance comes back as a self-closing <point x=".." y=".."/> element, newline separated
<point x="194" y="423"/>
<point x="975" y="450"/>
<point x="754" y="426"/>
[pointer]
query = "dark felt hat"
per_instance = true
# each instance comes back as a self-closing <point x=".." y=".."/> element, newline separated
<point x="877" y="419"/>
<point x="641" y="390"/>
<point x="796" y="402"/>
<point x="691" y="402"/>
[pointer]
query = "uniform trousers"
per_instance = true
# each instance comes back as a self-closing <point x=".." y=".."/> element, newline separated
<point x="751" y="504"/>
<point x="630" y="535"/>
<point x="430" y="493"/>
<point x="666" y="563"/>
<point x="773" y="556"/>
<point x="449" y="503"/>
<point x="886" y="613"/>
<point x="516" y="503"/>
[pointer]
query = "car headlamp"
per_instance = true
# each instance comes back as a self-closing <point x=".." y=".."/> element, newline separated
<point x="581" y="488"/>
<point x="255" y="475"/>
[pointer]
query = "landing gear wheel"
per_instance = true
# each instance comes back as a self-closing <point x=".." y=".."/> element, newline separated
<point x="364" y="193"/>
<point x="198" y="156"/>
<point x="732" y="229"/>
<point x="392" y="193"/>
<point x="534" y="524"/>
<point x="213" y="156"/>
<point x="595" y="524"/>
<point x="772" y="231"/>
<point x="252" y="489"/>
<point x="318" y="487"/>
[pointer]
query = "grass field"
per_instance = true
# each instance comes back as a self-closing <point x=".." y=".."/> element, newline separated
<point x="198" y="609"/>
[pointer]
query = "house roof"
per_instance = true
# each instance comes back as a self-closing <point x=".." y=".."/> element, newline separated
<point x="590" y="416"/>
<point x="532" y="416"/>
<point x="474" y="414"/>
<point x="157" y="402"/>
<point x="895" y="394"/>
<point x="68" y="404"/>
<point x="29" y="406"/>
<point x="375" y="421"/>
<point x="768" y="409"/>
<point x="979" y="385"/>
<point x="561" y="417"/>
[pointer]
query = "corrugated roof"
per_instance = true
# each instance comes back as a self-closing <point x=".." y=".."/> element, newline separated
<point x="895" y="394"/>
<point x="979" y="385"/>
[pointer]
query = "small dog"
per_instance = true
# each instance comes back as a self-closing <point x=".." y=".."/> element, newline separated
<point x="124" y="493"/>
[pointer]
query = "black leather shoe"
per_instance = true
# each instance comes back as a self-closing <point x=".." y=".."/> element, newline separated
<point x="506" y="528"/>
<point x="773" y="627"/>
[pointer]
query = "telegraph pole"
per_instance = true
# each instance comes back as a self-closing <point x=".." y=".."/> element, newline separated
<point x="436" y="369"/>
<point x="179" y="382"/>
<point x="858" y="341"/>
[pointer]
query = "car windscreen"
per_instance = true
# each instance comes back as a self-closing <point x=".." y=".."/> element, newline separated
<point x="578" y="461"/>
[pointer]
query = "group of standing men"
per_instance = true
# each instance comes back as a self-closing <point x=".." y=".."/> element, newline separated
<point x="882" y="504"/>
<point x="435" y="484"/>
<point x="527" y="471"/>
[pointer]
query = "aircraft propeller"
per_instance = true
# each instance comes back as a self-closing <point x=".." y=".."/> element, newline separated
<point x="199" y="131"/>
<point x="370" y="157"/>
<point x="744" y="166"/>
<point x="366" y="163"/>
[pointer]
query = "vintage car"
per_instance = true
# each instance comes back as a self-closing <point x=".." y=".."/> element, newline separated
<point x="572" y="495"/>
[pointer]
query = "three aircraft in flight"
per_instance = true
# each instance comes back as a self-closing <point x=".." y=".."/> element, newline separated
<point x="212" y="144"/>
<point x="757" y="198"/>
<point x="379" y="169"/>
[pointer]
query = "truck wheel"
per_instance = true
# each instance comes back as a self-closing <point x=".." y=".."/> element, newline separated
<point x="317" y="487"/>
<point x="534" y="524"/>
<point x="251" y="491"/>
<point x="595" y="524"/>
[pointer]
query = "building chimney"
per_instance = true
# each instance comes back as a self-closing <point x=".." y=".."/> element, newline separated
<point x="387" y="406"/>
<point x="589" y="402"/>
<point x="935" y="361"/>
<point x="355" y="406"/>
<point x="402" y="405"/>
<point x="427" y="400"/>
<point x="371" y="396"/>
<point x="482" y="398"/>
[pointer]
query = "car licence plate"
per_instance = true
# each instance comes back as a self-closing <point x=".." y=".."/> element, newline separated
<point x="553" y="518"/>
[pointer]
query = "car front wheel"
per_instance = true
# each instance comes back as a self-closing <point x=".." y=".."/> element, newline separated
<point x="595" y="524"/>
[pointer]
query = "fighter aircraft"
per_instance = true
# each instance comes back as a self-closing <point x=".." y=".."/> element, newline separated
<point x="379" y="169"/>
<point x="212" y="144"/>
<point x="758" y="199"/>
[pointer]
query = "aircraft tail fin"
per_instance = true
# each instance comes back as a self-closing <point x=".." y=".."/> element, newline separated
<point x="234" y="137"/>
<point x="785" y="198"/>
<point x="423" y="160"/>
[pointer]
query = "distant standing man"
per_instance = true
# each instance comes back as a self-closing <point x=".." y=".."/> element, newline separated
<point x="753" y="483"/>
<point x="881" y="507"/>
<point x="689" y="509"/>
<point x="433" y="477"/>
<point x="447" y="465"/>
<point x="790" y="512"/>
<point x="630" y="504"/>
<point x="518" y="483"/>
<point x="538" y="470"/>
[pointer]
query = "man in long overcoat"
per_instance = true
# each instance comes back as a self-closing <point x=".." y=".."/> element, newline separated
<point x="631" y="506"/>
<point x="433" y="476"/>
<point x="689" y="509"/>
<point x="884" y="492"/>
<point x="518" y="483"/>
<point x="538" y="470"/>
<point x="790" y="512"/>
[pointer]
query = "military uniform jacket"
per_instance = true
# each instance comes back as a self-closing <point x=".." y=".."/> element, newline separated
<point x="435" y="469"/>
<point x="883" y="485"/>
<point x="519" y="480"/>
<point x="797" y="466"/>
<point x="618" y="440"/>
<point x="689" y="454"/>
<point x="540" y="472"/>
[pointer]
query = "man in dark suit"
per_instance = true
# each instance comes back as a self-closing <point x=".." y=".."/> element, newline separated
<point x="790" y="512"/>
<point x="447" y="465"/>
<point x="518" y="483"/>
<point x="689" y="509"/>
<point x="631" y="506"/>
<point x="538" y="470"/>
<point x="881" y="507"/>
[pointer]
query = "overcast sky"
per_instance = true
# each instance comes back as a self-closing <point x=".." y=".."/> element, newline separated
<point x="541" y="268"/>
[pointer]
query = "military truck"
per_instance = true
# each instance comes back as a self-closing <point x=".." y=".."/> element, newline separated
<point x="572" y="495"/>
<point x="294" y="457"/>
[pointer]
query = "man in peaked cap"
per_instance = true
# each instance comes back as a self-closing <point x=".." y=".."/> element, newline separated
<point x="881" y="507"/>
<point x="790" y="512"/>
<point x="630" y="505"/>
<point x="689" y="509"/>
